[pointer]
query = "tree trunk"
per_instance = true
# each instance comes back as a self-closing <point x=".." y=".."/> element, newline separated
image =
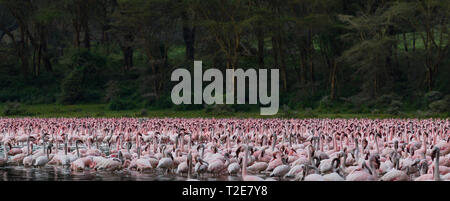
<point x="275" y="52"/>
<point x="260" y="38"/>
<point x="22" y="52"/>
<point x="302" y="65"/>
<point x="429" y="80"/>
<point x="46" y="57"/>
<point x="405" y="42"/>
<point x="87" y="37"/>
<point x="34" y="62"/>
<point x="77" y="30"/>
<point x="283" y="63"/>
<point x="375" y="90"/>
<point x="310" y="57"/>
<point x="128" y="57"/>
<point x="38" y="60"/>
<point x="189" y="37"/>
<point x="333" y="80"/>
<point x="311" y="70"/>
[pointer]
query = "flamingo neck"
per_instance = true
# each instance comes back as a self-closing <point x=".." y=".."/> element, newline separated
<point x="118" y="144"/>
<point x="28" y="146"/>
<point x="190" y="142"/>
<point x="437" y="176"/>
<point x="424" y="142"/>
<point x="189" y="168"/>
<point x="57" y="144"/>
<point x="274" y="141"/>
<point x="154" y="145"/>
<point x="321" y="144"/>
<point x="376" y="143"/>
<point x="5" y="151"/>
<point x="182" y="144"/>
<point x="244" y="166"/>
<point x="78" y="151"/>
<point x="335" y="143"/>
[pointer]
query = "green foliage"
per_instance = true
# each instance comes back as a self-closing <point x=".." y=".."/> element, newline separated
<point x="219" y="109"/>
<point x="432" y="96"/>
<point x="187" y="107"/>
<point x="120" y="104"/>
<point x="12" y="108"/>
<point x="441" y="106"/>
<point x="164" y="102"/>
<point x="84" y="82"/>
<point x="143" y="113"/>
<point x="382" y="51"/>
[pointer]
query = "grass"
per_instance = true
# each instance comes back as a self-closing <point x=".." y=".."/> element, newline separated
<point x="101" y="110"/>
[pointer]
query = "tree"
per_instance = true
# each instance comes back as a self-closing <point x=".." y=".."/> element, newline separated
<point x="225" y="21"/>
<point x="126" y="25"/>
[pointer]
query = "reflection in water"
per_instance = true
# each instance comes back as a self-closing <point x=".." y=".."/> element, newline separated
<point x="54" y="173"/>
<point x="58" y="173"/>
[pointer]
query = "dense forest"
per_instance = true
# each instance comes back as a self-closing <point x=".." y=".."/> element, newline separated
<point x="358" y="56"/>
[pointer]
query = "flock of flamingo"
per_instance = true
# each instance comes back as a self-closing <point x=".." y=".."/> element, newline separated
<point x="253" y="149"/>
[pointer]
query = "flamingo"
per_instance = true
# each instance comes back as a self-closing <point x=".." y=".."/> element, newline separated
<point x="246" y="177"/>
<point x="281" y="170"/>
<point x="4" y="160"/>
<point x="335" y="175"/>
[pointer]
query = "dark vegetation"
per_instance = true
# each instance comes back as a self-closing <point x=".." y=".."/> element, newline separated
<point x="335" y="56"/>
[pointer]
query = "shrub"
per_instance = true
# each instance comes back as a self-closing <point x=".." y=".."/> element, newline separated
<point x="376" y="111"/>
<point x="242" y="107"/>
<point x="119" y="104"/>
<point x="309" y="113"/>
<point x="441" y="106"/>
<point x="433" y="96"/>
<point x="12" y="108"/>
<point x="71" y="88"/>
<point x="393" y="110"/>
<point x="143" y="112"/>
<point x="84" y="82"/>
<point x="112" y="90"/>
<point x="219" y="109"/>
<point x="286" y="112"/>
<point x="163" y="102"/>
<point x="100" y="114"/>
<point x="188" y="107"/>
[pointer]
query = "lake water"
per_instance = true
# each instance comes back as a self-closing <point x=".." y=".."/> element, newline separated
<point x="59" y="173"/>
<point x="56" y="173"/>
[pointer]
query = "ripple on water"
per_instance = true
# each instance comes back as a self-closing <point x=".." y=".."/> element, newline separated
<point x="56" y="173"/>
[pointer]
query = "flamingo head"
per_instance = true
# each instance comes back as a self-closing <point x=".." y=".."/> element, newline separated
<point x="435" y="153"/>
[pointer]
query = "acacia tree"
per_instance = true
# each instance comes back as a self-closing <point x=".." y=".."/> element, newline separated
<point x="278" y="29"/>
<point x="126" y="25"/>
<point x="303" y="23"/>
<point x="372" y="49"/>
<point x="80" y="12"/>
<point x="155" y="39"/>
<point x="185" y="9"/>
<point x="34" y="19"/>
<point x="429" y="19"/>
<point x="225" y="21"/>
<point x="262" y="14"/>
<point x="330" y="45"/>
<point x="21" y="12"/>
<point x="44" y="15"/>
